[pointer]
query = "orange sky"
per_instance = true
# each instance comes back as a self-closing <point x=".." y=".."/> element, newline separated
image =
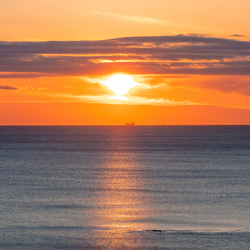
<point x="191" y="60"/>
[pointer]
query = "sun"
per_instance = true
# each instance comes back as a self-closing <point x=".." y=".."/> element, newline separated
<point x="120" y="84"/>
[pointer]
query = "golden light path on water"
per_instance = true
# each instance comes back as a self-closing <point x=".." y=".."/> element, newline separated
<point x="122" y="205"/>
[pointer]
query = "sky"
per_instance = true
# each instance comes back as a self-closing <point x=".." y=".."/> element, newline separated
<point x="182" y="62"/>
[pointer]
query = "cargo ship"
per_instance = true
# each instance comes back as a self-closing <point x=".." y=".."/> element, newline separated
<point x="130" y="124"/>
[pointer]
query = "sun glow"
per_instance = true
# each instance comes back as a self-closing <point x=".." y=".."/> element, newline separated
<point x="120" y="85"/>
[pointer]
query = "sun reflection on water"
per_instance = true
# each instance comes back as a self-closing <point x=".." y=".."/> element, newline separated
<point x="122" y="204"/>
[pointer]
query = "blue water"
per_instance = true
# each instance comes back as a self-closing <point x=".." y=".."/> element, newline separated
<point x="119" y="187"/>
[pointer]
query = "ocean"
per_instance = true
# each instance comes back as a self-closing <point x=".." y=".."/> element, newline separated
<point x="124" y="187"/>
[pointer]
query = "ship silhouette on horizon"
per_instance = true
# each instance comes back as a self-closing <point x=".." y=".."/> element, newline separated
<point x="130" y="124"/>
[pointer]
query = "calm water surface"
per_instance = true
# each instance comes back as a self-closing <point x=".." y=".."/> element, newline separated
<point x="117" y="187"/>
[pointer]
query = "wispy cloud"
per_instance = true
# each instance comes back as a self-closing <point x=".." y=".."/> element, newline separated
<point x="137" y="19"/>
<point x="132" y="101"/>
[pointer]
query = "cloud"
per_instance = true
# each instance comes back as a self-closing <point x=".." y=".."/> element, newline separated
<point x="156" y="55"/>
<point x="135" y="100"/>
<point x="7" y="87"/>
<point x="237" y="35"/>
<point x="137" y="19"/>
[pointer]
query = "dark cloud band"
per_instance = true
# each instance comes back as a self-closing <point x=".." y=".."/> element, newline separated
<point x="136" y="55"/>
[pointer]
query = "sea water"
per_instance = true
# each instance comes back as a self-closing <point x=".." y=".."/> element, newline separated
<point x="124" y="187"/>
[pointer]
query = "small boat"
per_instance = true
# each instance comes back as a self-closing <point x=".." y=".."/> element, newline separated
<point x="130" y="124"/>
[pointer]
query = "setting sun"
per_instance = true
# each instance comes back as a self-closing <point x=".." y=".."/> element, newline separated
<point x="120" y="84"/>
